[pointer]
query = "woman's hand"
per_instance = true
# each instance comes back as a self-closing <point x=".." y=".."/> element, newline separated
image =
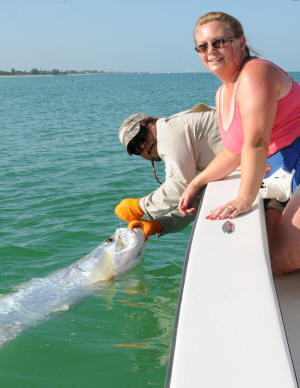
<point x="231" y="209"/>
<point x="186" y="202"/>
<point x="222" y="165"/>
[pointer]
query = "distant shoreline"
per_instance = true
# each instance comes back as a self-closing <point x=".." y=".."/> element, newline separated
<point x="7" y="74"/>
<point x="42" y="73"/>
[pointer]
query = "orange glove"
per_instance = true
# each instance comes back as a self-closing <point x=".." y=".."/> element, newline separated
<point x="129" y="210"/>
<point x="148" y="227"/>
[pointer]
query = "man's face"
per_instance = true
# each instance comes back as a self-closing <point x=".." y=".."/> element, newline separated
<point x="149" y="146"/>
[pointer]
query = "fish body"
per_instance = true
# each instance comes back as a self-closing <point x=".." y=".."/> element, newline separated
<point x="36" y="299"/>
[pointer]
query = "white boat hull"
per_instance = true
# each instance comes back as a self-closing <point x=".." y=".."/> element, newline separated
<point x="229" y="330"/>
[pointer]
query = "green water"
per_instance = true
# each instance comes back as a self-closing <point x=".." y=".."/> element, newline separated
<point x="62" y="172"/>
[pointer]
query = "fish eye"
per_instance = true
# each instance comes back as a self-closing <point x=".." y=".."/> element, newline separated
<point x="109" y="240"/>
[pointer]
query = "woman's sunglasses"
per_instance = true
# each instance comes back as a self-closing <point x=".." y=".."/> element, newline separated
<point x="134" y="146"/>
<point x="217" y="44"/>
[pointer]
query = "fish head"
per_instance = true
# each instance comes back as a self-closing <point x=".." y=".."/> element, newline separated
<point x="114" y="256"/>
<point x="125" y="248"/>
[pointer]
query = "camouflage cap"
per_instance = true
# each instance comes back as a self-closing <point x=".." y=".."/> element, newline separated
<point x="130" y="127"/>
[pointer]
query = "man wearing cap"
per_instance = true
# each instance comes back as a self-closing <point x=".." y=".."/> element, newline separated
<point x="186" y="142"/>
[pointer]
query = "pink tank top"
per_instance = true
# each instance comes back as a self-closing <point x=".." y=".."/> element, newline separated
<point x="286" y="127"/>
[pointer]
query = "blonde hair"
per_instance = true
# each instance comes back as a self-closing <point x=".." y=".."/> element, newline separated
<point x="228" y="20"/>
<point x="231" y="22"/>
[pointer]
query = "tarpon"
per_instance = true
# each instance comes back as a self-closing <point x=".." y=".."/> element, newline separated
<point x="36" y="299"/>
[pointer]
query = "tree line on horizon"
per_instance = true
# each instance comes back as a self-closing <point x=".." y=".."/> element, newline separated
<point x="36" y="71"/>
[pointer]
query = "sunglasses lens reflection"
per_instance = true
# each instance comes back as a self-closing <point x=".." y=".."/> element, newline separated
<point x="217" y="44"/>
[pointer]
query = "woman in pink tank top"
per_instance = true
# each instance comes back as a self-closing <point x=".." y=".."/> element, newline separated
<point x="259" y="117"/>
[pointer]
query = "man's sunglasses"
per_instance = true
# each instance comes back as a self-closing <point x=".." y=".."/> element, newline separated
<point x="134" y="144"/>
<point x="217" y="44"/>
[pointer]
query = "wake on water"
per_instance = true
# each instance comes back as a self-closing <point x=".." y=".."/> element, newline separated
<point x="38" y="298"/>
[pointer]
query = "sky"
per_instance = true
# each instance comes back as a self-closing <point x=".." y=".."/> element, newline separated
<point x="136" y="35"/>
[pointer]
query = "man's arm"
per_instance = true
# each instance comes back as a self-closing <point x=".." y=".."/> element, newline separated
<point x="175" y="221"/>
<point x="182" y="143"/>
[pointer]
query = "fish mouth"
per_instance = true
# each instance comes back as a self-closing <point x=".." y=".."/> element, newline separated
<point x="121" y="242"/>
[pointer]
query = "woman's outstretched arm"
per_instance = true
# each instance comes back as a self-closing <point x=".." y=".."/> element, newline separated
<point x="260" y="87"/>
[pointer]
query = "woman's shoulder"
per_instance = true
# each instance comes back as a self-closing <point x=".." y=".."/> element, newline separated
<point x="264" y="79"/>
<point x="259" y="66"/>
<point x="259" y="72"/>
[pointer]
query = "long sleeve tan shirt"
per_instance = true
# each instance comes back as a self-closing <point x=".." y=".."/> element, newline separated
<point x="186" y="142"/>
